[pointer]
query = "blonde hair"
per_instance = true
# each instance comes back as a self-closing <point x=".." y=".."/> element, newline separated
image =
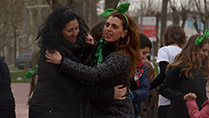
<point x="188" y="59"/>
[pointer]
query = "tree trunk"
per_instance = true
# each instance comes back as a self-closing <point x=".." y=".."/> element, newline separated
<point x="175" y="15"/>
<point x="163" y="19"/>
<point x="92" y="14"/>
<point x="184" y="15"/>
<point x="196" y="24"/>
<point x="111" y="4"/>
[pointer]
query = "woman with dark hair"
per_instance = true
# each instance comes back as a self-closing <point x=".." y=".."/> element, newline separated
<point x="60" y="95"/>
<point x="115" y="60"/>
<point x="187" y="74"/>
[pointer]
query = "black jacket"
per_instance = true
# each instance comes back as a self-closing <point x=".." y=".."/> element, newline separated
<point x="114" y="70"/>
<point x="59" y="94"/>
<point x="175" y="87"/>
<point x="6" y="97"/>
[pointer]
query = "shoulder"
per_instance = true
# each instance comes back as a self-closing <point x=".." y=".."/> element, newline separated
<point x="174" y="70"/>
<point x="163" y="51"/>
<point x="118" y="57"/>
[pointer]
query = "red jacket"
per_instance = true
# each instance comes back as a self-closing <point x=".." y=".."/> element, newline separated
<point x="194" y="111"/>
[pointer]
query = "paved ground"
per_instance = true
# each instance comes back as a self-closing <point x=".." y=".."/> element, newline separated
<point x="20" y="91"/>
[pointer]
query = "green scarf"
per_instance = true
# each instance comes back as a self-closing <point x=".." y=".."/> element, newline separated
<point x="98" y="57"/>
<point x="31" y="73"/>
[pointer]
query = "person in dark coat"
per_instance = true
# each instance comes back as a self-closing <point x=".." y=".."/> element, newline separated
<point x="60" y="95"/>
<point x="114" y="62"/>
<point x="187" y="74"/>
<point x="7" y="102"/>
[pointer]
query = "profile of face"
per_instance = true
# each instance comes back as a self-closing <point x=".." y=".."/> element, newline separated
<point x="113" y="29"/>
<point x="144" y="52"/>
<point x="71" y="30"/>
<point x="204" y="51"/>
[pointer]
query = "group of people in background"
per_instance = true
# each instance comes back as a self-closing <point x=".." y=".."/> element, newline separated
<point x="104" y="72"/>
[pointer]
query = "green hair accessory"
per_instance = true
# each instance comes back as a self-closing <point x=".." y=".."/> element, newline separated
<point x="31" y="73"/>
<point x="122" y="8"/>
<point x="200" y="38"/>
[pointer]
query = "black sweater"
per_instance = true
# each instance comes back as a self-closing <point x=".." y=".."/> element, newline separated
<point x="6" y="96"/>
<point x="59" y="94"/>
<point x="175" y="87"/>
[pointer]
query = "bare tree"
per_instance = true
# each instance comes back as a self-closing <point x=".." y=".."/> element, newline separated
<point x="111" y="4"/>
<point x="184" y="15"/>
<point x="163" y="19"/>
<point x="56" y="3"/>
<point x="203" y="12"/>
<point x="196" y="24"/>
<point x="176" y="18"/>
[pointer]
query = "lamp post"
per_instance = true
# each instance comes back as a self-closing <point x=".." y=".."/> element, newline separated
<point x="16" y="33"/>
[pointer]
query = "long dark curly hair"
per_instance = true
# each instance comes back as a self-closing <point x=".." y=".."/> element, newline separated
<point x="49" y="34"/>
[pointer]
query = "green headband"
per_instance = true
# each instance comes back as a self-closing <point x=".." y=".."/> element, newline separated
<point x="31" y="73"/>
<point x="200" y="38"/>
<point x="122" y="8"/>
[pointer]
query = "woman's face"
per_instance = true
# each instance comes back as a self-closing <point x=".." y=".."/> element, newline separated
<point x="204" y="51"/>
<point x="113" y="29"/>
<point x="71" y="30"/>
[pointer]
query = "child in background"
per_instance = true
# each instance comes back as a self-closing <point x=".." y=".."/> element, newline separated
<point x="149" y="107"/>
<point x="193" y="109"/>
<point x="139" y="84"/>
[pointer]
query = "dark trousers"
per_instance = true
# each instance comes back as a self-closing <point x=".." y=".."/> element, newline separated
<point x="7" y="114"/>
<point x="162" y="111"/>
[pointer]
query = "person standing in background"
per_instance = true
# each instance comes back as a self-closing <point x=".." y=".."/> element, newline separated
<point x="149" y="107"/>
<point x="7" y="102"/>
<point x="173" y="41"/>
<point x="139" y="83"/>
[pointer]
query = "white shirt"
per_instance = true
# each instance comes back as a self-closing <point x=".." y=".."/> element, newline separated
<point x="167" y="53"/>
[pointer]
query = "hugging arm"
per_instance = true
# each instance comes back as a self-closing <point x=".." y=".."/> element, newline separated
<point x="112" y="66"/>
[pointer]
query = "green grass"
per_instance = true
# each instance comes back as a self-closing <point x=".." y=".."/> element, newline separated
<point x="16" y="74"/>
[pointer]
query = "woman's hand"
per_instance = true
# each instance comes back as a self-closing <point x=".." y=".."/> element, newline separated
<point x="89" y="39"/>
<point x="53" y="57"/>
<point x="119" y="92"/>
